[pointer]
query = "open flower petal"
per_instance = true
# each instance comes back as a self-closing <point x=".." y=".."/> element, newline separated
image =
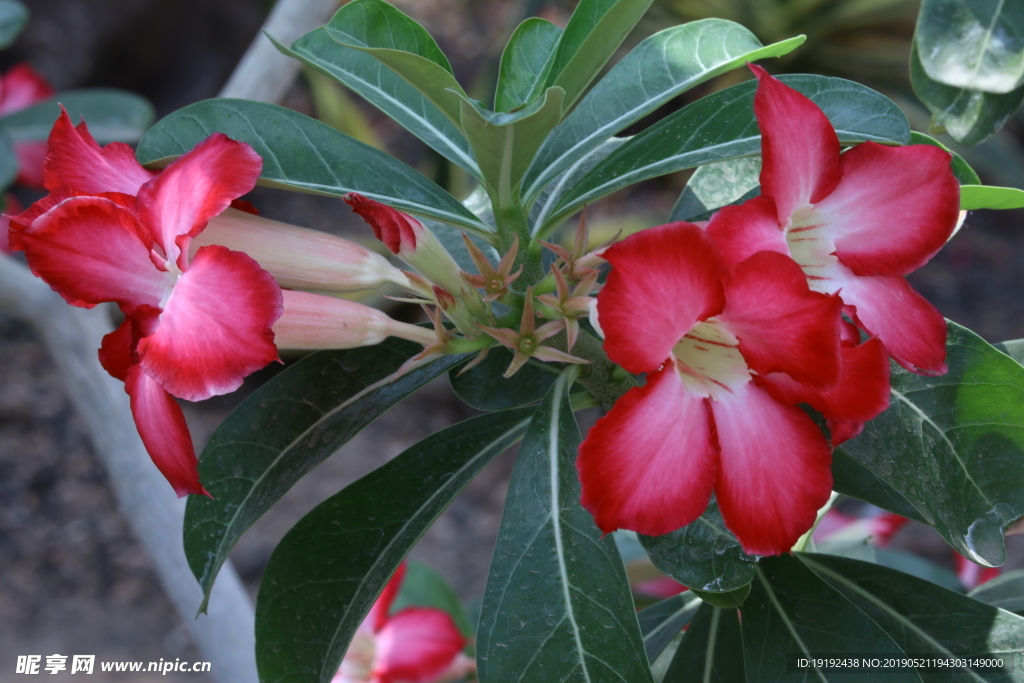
<point x="21" y="87"/>
<point x="663" y="282"/>
<point x="775" y="470"/>
<point x="742" y="230"/>
<point x="894" y="210"/>
<point x="416" y="646"/>
<point x="116" y="351"/>
<point x="215" y="328"/>
<point x="650" y="464"/>
<point x="30" y="163"/>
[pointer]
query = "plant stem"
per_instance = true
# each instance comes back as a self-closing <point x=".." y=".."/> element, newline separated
<point x="511" y="221"/>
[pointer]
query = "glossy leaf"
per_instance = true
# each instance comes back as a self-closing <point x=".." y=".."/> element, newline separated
<point x="716" y="185"/>
<point x="381" y="87"/>
<point x="8" y="162"/>
<point x="852" y="478"/>
<point x="593" y="34"/>
<point x="952" y="445"/>
<point x="925" y="619"/>
<point x="722" y="126"/>
<point x="1005" y="592"/>
<point x="969" y="116"/>
<point x="712" y="649"/>
<point x="975" y="44"/>
<point x="300" y="418"/>
<point x="327" y="571"/>
<point x="483" y="387"/>
<point x="525" y="63"/>
<point x="988" y="197"/>
<point x="659" y="68"/>
<point x="793" y="612"/>
<point x="557" y="605"/>
<point x="300" y="153"/>
<point x="425" y="587"/>
<point x="13" y="17"/>
<point x="965" y="175"/>
<point x="726" y="599"/>
<point x="112" y="115"/>
<point x="662" y="621"/>
<point x="702" y="555"/>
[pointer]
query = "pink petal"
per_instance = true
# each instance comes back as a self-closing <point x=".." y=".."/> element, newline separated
<point x="178" y="203"/>
<point x="742" y="230"/>
<point x="913" y="331"/>
<point x="392" y="227"/>
<point x="21" y="87"/>
<point x="381" y="609"/>
<point x="215" y="328"/>
<point x="783" y="326"/>
<point x="649" y="465"/>
<point x="416" y="645"/>
<point x="89" y="250"/>
<point x="895" y="208"/>
<point x="664" y="280"/>
<point x="775" y="470"/>
<point x="164" y="432"/>
<point x="30" y="163"/>
<point x="799" y="147"/>
<point x="76" y="161"/>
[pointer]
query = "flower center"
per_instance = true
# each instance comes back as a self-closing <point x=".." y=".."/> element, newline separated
<point x="358" y="662"/>
<point x="709" y="360"/>
<point x="811" y="247"/>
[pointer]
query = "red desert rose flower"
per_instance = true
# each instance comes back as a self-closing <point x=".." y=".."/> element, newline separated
<point x="20" y="88"/>
<point x="855" y="222"/>
<point x="729" y="353"/>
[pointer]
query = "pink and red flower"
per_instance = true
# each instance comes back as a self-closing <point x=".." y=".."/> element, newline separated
<point x="20" y="88"/>
<point x="729" y="352"/>
<point x="855" y="222"/>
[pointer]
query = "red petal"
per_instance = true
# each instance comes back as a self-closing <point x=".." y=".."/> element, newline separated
<point x="799" y="147"/>
<point x="664" y="280"/>
<point x="742" y="230"/>
<point x="195" y="188"/>
<point x="861" y="393"/>
<point x="394" y="228"/>
<point x="895" y="208"/>
<point x="75" y="160"/>
<point x="843" y="431"/>
<point x="416" y="646"/>
<point x="215" y="327"/>
<point x="164" y="432"/>
<point x="21" y="87"/>
<point x="913" y="331"/>
<point x="783" y="326"/>
<point x="381" y="609"/>
<point x="89" y="251"/>
<point x="30" y="163"/>
<point x="775" y="470"/>
<point x="649" y="465"/>
<point x="116" y="351"/>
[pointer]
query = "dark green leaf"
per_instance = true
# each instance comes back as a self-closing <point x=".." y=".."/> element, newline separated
<point x="850" y="477"/>
<point x="711" y="651"/>
<point x="112" y="115"/>
<point x="703" y="555"/>
<point x="424" y="587"/>
<point x="952" y="445"/>
<point x="1005" y="592"/>
<point x="925" y="619"/>
<point x="662" y="621"/>
<point x="13" y="17"/>
<point x="976" y="44"/>
<point x="593" y="34"/>
<point x="965" y="175"/>
<point x="722" y="126"/>
<point x="484" y="388"/>
<point x="557" y="188"/>
<point x="525" y="63"/>
<point x="557" y="605"/>
<point x="8" y="162"/>
<point x="969" y="116"/>
<point x="300" y="153"/>
<point x="283" y="430"/>
<point x="716" y="185"/>
<point x="791" y="611"/>
<point x="658" y="69"/>
<point x="911" y="564"/>
<point x="325" y="574"/>
<point x="727" y="599"/>
<point x="988" y="197"/>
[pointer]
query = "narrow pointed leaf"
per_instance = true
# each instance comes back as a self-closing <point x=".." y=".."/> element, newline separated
<point x="1005" y="592"/>
<point x="702" y="555"/>
<point x="13" y="17"/>
<point x="722" y="126"/>
<point x="112" y="115"/>
<point x="300" y="153"/>
<point x="593" y="34"/>
<point x="483" y="387"/>
<point x="662" y="621"/>
<point x="965" y="175"/>
<point x="525" y="63"/>
<point x="282" y="431"/>
<point x="557" y="605"/>
<point x="952" y="445"/>
<point x="712" y="649"/>
<point x="925" y="619"/>
<point x="716" y="185"/>
<point x="987" y="197"/>
<point x="327" y="571"/>
<point x="659" y="68"/>
<point x="793" y="612"/>
<point x="975" y="44"/>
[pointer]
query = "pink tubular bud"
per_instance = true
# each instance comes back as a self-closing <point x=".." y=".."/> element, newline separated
<point x="300" y="258"/>
<point x="317" y="321"/>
